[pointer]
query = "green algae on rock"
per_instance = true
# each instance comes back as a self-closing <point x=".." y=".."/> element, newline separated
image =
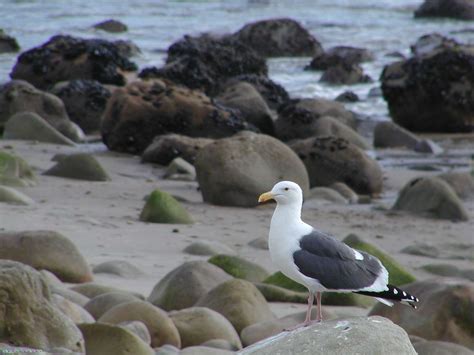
<point x="161" y="207"/>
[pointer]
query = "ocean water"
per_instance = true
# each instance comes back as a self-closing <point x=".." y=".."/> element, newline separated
<point x="382" y="26"/>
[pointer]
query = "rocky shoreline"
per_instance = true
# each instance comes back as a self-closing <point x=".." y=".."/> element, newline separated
<point x="128" y="196"/>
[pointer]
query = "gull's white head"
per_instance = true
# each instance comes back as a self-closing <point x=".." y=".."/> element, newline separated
<point x="284" y="193"/>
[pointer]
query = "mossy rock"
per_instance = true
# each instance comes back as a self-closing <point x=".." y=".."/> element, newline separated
<point x="274" y="293"/>
<point x="161" y="207"/>
<point x="278" y="279"/>
<point x="397" y="274"/>
<point x="239" y="268"/>
<point x="14" y="171"/>
<point x="79" y="166"/>
<point x="347" y="299"/>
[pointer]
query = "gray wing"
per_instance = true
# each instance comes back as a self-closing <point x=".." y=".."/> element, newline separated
<point x="334" y="264"/>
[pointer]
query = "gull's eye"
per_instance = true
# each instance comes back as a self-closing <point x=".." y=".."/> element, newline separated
<point x="287" y="188"/>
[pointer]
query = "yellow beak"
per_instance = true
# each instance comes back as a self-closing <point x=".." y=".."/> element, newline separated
<point x="265" y="197"/>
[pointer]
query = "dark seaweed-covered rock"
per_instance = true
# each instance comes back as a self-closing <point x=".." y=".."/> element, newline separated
<point x="274" y="94"/>
<point x="203" y="62"/>
<point x="85" y="102"/>
<point x="340" y="55"/>
<point x="140" y="111"/>
<point x="345" y="74"/>
<point x="282" y="37"/>
<point x="67" y="58"/>
<point x="432" y="91"/>
<point x="458" y="9"/>
<point x="330" y="159"/>
<point x="111" y="26"/>
<point x="8" y="43"/>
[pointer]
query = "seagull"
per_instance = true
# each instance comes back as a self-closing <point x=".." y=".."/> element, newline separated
<point x="319" y="261"/>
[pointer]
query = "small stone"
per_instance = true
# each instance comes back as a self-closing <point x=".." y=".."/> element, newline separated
<point x="15" y="171"/>
<point x="239" y="267"/>
<point x="259" y="243"/>
<point x="92" y="289"/>
<point x="100" y="304"/>
<point x="11" y="195"/>
<point x="161" y="207"/>
<point x="138" y="328"/>
<point x="421" y="249"/>
<point x="428" y="146"/>
<point x="111" y="25"/>
<point x="205" y="247"/>
<point x="326" y="194"/>
<point x="120" y="268"/>
<point x="347" y="96"/>
<point x="180" y="169"/>
<point x="79" y="166"/>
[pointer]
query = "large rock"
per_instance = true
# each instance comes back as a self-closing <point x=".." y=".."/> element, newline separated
<point x="140" y="111"/>
<point x="330" y="159"/>
<point x="239" y="301"/>
<point x="461" y="182"/>
<point x="110" y="339"/>
<point x="340" y="55"/>
<point x="65" y="58"/>
<point x="100" y="304"/>
<point x="79" y="166"/>
<point x="47" y="250"/>
<point x="185" y="285"/>
<point x="274" y="94"/>
<point x="458" y="9"/>
<point x="28" y="316"/>
<point x="167" y="147"/>
<point x="204" y="62"/>
<point x="446" y="311"/>
<point x="398" y="275"/>
<point x="431" y="92"/>
<point x="15" y="171"/>
<point x="85" y="102"/>
<point x="244" y="97"/>
<point x="161" y="327"/>
<point x="389" y="134"/>
<point x="161" y="207"/>
<point x="248" y="163"/>
<point x="19" y="96"/>
<point x="431" y="196"/>
<point x="362" y="335"/>
<point x="8" y="44"/>
<point x="239" y="267"/>
<point x="30" y="126"/>
<point x="299" y="118"/>
<point x="197" y="325"/>
<point x="282" y="37"/>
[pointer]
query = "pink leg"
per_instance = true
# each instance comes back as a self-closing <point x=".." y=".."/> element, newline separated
<point x="307" y="320"/>
<point x="319" y="317"/>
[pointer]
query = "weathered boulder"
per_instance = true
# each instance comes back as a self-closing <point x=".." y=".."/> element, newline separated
<point x="111" y="339"/>
<point x="239" y="267"/>
<point x="380" y="336"/>
<point x="28" y="315"/>
<point x="31" y="126"/>
<point x="398" y="275"/>
<point x="431" y="196"/>
<point x="140" y="111"/>
<point x="432" y="91"/>
<point x="274" y="94"/>
<point x="248" y="163"/>
<point x="205" y="61"/>
<point x="281" y="37"/>
<point x="185" y="285"/>
<point x="85" y="102"/>
<point x="167" y="147"/>
<point x="244" y="97"/>
<point x="462" y="183"/>
<point x="46" y="250"/>
<point x="239" y="301"/>
<point x="205" y="247"/>
<point x="11" y="195"/>
<point x="389" y="134"/>
<point x="120" y="268"/>
<point x="330" y="159"/>
<point x="111" y="25"/>
<point x="161" y="327"/>
<point x="197" y="325"/>
<point x="345" y="74"/>
<point x="100" y="304"/>
<point x="15" y="171"/>
<point x="161" y="207"/>
<point x="298" y="118"/>
<point x="338" y="55"/>
<point x="458" y="9"/>
<point x="79" y="166"/>
<point x="446" y="311"/>
<point x="20" y="96"/>
<point x="65" y="58"/>
<point x="75" y="312"/>
<point x="8" y="44"/>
